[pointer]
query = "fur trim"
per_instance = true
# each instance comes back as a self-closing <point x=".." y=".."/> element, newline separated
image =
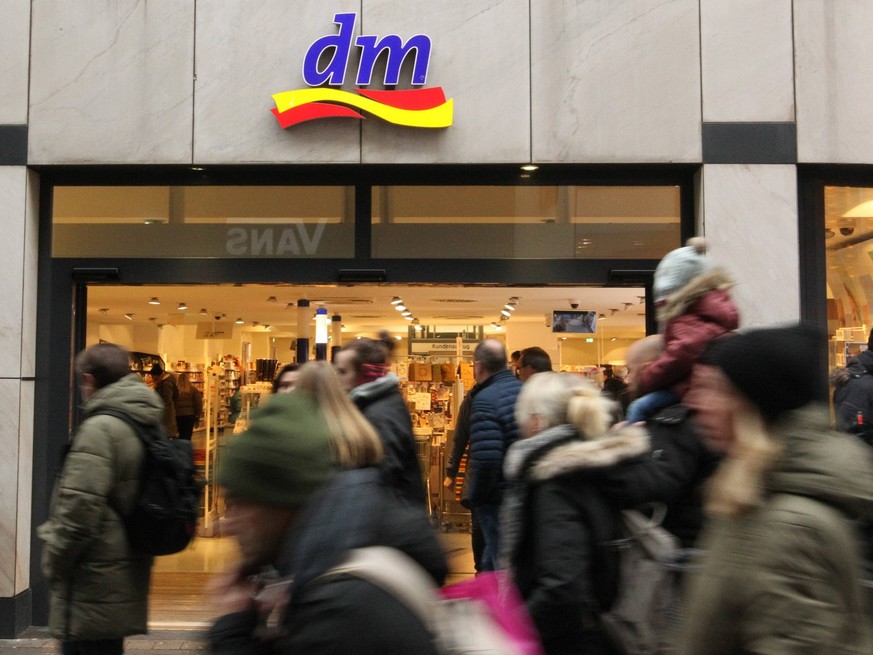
<point x="625" y="442"/>
<point x="839" y="376"/>
<point x="679" y="302"/>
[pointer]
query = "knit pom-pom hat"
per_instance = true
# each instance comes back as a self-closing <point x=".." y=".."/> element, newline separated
<point x="679" y="267"/>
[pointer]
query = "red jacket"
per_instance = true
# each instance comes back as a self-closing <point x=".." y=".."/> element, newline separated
<point x="698" y="313"/>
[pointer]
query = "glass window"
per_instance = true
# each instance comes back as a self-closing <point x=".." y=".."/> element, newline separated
<point x="538" y="222"/>
<point x="203" y="221"/>
<point x="849" y="256"/>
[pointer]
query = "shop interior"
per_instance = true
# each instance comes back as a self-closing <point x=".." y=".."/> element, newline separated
<point x="233" y="338"/>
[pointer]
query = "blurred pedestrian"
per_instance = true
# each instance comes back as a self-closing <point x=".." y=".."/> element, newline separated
<point x="533" y="360"/>
<point x="99" y="584"/>
<point x="782" y="568"/>
<point x="853" y="394"/>
<point x="286" y="378"/>
<point x="164" y="384"/>
<point x="295" y="516"/>
<point x="188" y="406"/>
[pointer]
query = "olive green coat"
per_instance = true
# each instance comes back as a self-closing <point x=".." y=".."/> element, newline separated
<point x="784" y="578"/>
<point x="99" y="585"/>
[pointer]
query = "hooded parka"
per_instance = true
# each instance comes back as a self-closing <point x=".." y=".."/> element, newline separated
<point x="783" y="578"/>
<point x="99" y="584"/>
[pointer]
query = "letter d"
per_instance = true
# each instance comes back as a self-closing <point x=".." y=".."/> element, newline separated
<point x="335" y="72"/>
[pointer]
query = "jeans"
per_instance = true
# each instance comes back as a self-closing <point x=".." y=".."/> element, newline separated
<point x="645" y="407"/>
<point x="487" y="516"/>
<point x="93" y="647"/>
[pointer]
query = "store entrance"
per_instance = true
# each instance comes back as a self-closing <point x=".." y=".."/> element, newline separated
<point x="229" y="340"/>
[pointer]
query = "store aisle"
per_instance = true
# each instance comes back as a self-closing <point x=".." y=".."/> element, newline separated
<point x="178" y="598"/>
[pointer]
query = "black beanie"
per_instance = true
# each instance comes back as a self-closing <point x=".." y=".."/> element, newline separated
<point x="773" y="367"/>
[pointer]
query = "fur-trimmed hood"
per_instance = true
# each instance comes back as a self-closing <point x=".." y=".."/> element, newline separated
<point x="858" y="366"/>
<point x="717" y="279"/>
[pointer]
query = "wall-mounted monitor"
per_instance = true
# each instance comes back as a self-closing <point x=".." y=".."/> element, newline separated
<point x="574" y="321"/>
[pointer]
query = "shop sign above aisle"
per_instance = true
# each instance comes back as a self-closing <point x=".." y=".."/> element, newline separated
<point x="439" y="348"/>
<point x="420" y="107"/>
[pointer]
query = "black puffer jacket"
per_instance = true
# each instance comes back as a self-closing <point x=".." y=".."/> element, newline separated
<point x="381" y="402"/>
<point x="853" y="396"/>
<point x="557" y="526"/>
<point x="342" y="614"/>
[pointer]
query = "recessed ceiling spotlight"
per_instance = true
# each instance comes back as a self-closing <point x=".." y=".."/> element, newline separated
<point x="530" y="167"/>
<point x="182" y="306"/>
<point x="103" y="310"/>
<point x="289" y="305"/>
<point x="153" y="318"/>
<point x="154" y="301"/>
<point x="406" y="313"/>
<point x="400" y="308"/>
<point x="203" y="312"/>
<point x="505" y="313"/>
<point x="272" y="299"/>
<point x="409" y="318"/>
<point x="196" y="168"/>
<point x="128" y="316"/>
<point x="239" y="321"/>
<point x="510" y="306"/>
<point x="396" y="300"/>
<point x="418" y="327"/>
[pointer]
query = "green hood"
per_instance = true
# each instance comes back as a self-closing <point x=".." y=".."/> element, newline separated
<point x="130" y="395"/>
<point x="833" y="467"/>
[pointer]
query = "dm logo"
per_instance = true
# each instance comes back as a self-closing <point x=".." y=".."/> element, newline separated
<point x="424" y="107"/>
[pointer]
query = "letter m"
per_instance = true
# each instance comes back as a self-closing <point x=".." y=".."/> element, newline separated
<point x="371" y="47"/>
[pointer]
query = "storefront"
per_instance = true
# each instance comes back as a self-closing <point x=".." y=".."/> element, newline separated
<point x="168" y="144"/>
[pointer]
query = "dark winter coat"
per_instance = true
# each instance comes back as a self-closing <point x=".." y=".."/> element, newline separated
<point x="381" y="402"/>
<point x="673" y="472"/>
<point x="853" y="396"/>
<point x="99" y="584"/>
<point x="556" y="528"/>
<point x="342" y="614"/>
<point x="783" y="578"/>
<point x="492" y="432"/>
<point x="695" y="315"/>
<point x="168" y="391"/>
<point x="190" y="404"/>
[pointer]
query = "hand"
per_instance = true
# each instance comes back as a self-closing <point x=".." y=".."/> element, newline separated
<point x="232" y="592"/>
<point x="448" y="483"/>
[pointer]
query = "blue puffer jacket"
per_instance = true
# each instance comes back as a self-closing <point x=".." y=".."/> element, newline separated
<point x="492" y="431"/>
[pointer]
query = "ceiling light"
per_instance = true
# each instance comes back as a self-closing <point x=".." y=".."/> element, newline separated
<point x="203" y="312"/>
<point x="153" y="318"/>
<point x="418" y="328"/>
<point x="396" y="300"/>
<point x="505" y="312"/>
<point x="398" y="337"/>
<point x="182" y="306"/>
<point x="530" y="167"/>
<point x="267" y="326"/>
<point x="154" y="301"/>
<point x="289" y="305"/>
<point x="196" y="168"/>
<point x="129" y="317"/>
<point x="829" y="233"/>
<point x="510" y="306"/>
<point x="498" y="327"/>
<point x="602" y="316"/>
<point x="409" y="318"/>
<point x="272" y="299"/>
<point x="406" y="313"/>
<point x="400" y="308"/>
<point x="239" y="321"/>
<point x="103" y="310"/>
<point x="255" y="324"/>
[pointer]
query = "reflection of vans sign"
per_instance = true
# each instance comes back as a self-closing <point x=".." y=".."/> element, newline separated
<point x="414" y="108"/>
<point x="274" y="242"/>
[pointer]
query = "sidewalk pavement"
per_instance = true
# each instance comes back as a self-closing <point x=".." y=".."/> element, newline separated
<point x="36" y="641"/>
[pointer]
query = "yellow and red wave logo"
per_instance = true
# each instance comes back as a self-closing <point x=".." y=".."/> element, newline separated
<point x="413" y="108"/>
<point x="326" y="62"/>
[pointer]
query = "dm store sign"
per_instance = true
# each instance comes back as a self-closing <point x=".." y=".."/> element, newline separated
<point x="324" y="67"/>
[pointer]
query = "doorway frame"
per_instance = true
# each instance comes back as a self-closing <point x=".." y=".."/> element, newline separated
<point x="63" y="282"/>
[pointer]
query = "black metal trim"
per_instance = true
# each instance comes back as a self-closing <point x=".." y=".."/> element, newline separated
<point x="749" y="143"/>
<point x="13" y="145"/>
<point x="15" y="615"/>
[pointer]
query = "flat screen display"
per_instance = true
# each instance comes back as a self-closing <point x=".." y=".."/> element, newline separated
<point x="580" y="321"/>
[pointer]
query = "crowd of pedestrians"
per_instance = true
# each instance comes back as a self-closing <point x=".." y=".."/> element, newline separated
<point x="772" y="507"/>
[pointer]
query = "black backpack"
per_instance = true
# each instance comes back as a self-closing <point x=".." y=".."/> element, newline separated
<point x="164" y="517"/>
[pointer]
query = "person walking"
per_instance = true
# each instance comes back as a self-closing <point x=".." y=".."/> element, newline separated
<point x="363" y="370"/>
<point x="164" y="384"/>
<point x="188" y="406"/>
<point x="296" y="514"/>
<point x="492" y="431"/>
<point x="782" y="565"/>
<point x="98" y="584"/>
<point x="853" y="395"/>
<point x="531" y="361"/>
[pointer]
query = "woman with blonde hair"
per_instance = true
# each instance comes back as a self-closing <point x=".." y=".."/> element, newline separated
<point x="782" y="565"/>
<point x="556" y="522"/>
<point x="354" y="441"/>
<point x="188" y="405"/>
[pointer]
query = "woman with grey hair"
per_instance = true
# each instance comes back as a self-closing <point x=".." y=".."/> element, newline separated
<point x="556" y="523"/>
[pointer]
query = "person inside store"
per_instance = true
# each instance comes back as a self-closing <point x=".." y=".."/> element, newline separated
<point x="615" y="388"/>
<point x="781" y="571"/>
<point x="99" y="585"/>
<point x="286" y="379"/>
<point x="296" y="515"/>
<point x="513" y="362"/>
<point x="188" y="405"/>
<point x="355" y="443"/>
<point x="492" y="431"/>
<point x="164" y="383"/>
<point x="460" y="450"/>
<point x="363" y="370"/>
<point x="533" y="360"/>
<point x="555" y="518"/>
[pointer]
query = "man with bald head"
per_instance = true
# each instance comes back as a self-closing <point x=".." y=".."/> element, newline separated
<point x="492" y="430"/>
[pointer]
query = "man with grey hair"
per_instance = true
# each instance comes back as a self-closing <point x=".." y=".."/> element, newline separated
<point x="492" y="430"/>
<point x="99" y="583"/>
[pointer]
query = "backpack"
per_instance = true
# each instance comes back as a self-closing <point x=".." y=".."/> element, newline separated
<point x="637" y="621"/>
<point x="164" y="516"/>
<point x="490" y="620"/>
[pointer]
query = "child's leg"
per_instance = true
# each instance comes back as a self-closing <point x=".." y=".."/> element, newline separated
<point x="647" y="406"/>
